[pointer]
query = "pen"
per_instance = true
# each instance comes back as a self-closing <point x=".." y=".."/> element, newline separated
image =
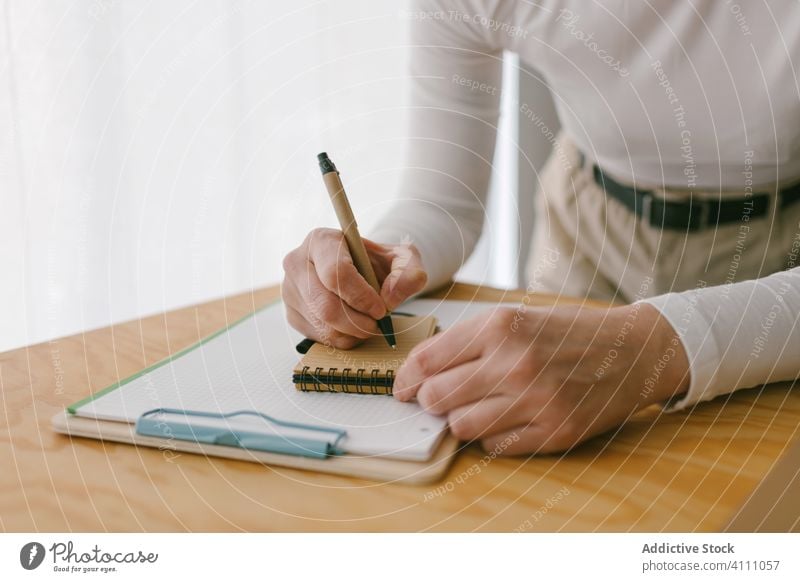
<point x="330" y="175"/>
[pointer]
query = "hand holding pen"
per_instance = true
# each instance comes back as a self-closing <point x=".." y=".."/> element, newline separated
<point x="329" y="300"/>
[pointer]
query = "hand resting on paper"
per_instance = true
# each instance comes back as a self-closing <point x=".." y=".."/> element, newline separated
<point x="549" y="378"/>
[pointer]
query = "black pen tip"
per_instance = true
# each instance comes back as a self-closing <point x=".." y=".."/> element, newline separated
<point x="387" y="329"/>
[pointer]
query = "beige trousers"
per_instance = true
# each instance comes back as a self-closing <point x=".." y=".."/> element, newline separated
<point x="587" y="244"/>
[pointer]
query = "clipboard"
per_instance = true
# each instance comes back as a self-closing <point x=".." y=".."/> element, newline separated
<point x="261" y="435"/>
<point x="267" y="434"/>
<point x="373" y="468"/>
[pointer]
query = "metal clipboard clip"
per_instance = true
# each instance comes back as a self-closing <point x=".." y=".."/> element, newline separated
<point x="252" y="430"/>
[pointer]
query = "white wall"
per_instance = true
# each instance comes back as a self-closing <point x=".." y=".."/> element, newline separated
<point x="158" y="154"/>
<point x="501" y="255"/>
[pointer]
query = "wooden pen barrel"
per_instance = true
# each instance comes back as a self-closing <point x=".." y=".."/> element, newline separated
<point x="350" y="228"/>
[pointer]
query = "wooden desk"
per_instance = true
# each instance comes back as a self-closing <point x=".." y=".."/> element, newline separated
<point x="674" y="472"/>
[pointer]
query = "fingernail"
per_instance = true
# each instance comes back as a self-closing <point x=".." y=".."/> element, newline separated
<point x="418" y="274"/>
<point x="399" y="391"/>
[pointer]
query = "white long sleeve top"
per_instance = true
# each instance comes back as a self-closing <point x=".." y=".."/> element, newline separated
<point x="656" y="93"/>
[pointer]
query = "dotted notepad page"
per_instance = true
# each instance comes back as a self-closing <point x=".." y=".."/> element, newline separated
<point x="249" y="367"/>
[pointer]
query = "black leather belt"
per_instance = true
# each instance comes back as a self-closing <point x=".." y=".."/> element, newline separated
<point x="694" y="214"/>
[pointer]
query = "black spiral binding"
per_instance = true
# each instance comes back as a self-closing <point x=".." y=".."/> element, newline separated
<point x="333" y="381"/>
<point x="317" y="376"/>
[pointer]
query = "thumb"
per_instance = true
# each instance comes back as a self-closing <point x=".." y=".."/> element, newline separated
<point x="406" y="277"/>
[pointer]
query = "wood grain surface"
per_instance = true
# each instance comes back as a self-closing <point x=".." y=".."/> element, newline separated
<point x="676" y="472"/>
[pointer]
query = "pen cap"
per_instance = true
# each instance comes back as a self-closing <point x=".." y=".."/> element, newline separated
<point x="325" y="163"/>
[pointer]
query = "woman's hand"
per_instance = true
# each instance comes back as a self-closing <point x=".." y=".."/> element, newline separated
<point x="329" y="301"/>
<point x="548" y="377"/>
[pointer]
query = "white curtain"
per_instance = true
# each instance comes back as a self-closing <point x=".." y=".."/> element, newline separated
<point x="156" y="154"/>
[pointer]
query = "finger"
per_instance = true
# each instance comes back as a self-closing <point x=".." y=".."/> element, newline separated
<point x="320" y="332"/>
<point x="464" y="384"/>
<point x="289" y="293"/>
<point x="327" y="250"/>
<point x="331" y="310"/>
<point x="456" y="345"/>
<point x="488" y="416"/>
<point x="406" y="277"/>
<point x="526" y="439"/>
<point x="380" y="256"/>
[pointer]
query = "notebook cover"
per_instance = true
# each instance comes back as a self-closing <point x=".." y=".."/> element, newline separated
<point x="366" y="369"/>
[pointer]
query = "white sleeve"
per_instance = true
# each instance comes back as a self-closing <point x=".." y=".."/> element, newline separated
<point x="736" y="336"/>
<point x="455" y="93"/>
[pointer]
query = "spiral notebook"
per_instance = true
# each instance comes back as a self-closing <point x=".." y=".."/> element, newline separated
<point x="366" y="369"/>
